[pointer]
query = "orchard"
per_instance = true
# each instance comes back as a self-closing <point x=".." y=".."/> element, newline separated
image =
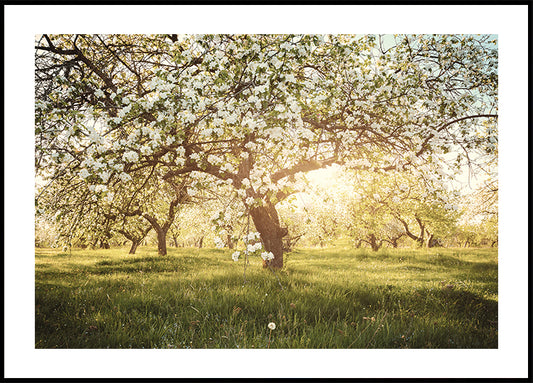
<point x="135" y="132"/>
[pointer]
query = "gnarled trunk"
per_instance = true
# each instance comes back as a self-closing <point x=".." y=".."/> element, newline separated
<point x="161" y="232"/>
<point x="266" y="222"/>
<point x="135" y="237"/>
<point x="419" y="239"/>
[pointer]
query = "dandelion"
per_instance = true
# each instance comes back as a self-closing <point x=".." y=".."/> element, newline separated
<point x="271" y="326"/>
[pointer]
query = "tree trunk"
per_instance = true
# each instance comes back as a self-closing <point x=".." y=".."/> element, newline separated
<point x="422" y="230"/>
<point x="418" y="239"/>
<point x="374" y="243"/>
<point x="161" y="242"/>
<point x="135" y="238"/>
<point x="430" y="241"/>
<point x="229" y="242"/>
<point x="266" y="222"/>
<point x="161" y="232"/>
<point x="134" y="245"/>
<point x="175" y="240"/>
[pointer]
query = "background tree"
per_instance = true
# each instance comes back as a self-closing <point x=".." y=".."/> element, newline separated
<point x="135" y="230"/>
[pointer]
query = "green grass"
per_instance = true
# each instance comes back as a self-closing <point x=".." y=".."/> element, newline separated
<point x="336" y="297"/>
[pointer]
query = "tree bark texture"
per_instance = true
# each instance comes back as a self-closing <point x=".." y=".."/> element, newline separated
<point x="266" y="222"/>
<point x="161" y="241"/>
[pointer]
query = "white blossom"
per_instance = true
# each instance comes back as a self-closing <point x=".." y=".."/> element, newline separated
<point x="219" y="243"/>
<point x="125" y="177"/>
<point x="252" y="248"/>
<point x="84" y="173"/>
<point x="267" y="255"/>
<point x="100" y="188"/>
<point x="105" y="175"/>
<point x="130" y="156"/>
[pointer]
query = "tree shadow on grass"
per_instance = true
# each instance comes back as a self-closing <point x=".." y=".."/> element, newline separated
<point x="156" y="264"/>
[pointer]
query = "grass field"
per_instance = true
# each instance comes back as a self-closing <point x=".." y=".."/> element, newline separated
<point x="336" y="297"/>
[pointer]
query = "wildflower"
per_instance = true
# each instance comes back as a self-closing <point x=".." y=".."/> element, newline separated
<point x="272" y="326"/>
<point x="235" y="256"/>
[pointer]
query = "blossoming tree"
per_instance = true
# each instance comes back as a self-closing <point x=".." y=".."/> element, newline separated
<point x="252" y="111"/>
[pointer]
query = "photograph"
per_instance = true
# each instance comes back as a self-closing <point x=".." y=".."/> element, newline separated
<point x="266" y="191"/>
